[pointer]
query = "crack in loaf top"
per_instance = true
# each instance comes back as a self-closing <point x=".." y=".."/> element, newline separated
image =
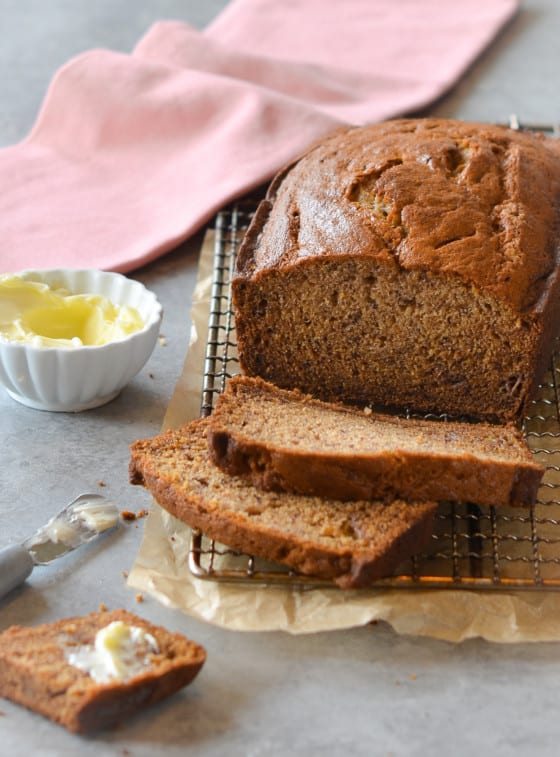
<point x="476" y="201"/>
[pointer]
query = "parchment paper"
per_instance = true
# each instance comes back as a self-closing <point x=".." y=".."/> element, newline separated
<point x="161" y="566"/>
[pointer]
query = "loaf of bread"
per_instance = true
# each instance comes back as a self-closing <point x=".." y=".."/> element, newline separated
<point x="57" y="670"/>
<point x="352" y="543"/>
<point x="411" y="263"/>
<point x="286" y="441"/>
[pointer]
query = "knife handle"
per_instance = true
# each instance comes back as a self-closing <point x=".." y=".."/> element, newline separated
<point x="16" y="565"/>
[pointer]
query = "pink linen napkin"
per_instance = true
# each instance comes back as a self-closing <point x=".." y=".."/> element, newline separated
<point x="131" y="154"/>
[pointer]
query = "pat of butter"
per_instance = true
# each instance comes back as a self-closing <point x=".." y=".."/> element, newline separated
<point x="97" y="516"/>
<point x="74" y="526"/>
<point x="33" y="313"/>
<point x="119" y="652"/>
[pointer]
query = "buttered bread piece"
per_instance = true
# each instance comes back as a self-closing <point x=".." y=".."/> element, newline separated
<point x="94" y="671"/>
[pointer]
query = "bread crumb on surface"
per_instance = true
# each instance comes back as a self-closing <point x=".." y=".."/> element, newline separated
<point x="162" y="340"/>
<point x="412" y="676"/>
<point x="128" y="515"/>
<point x="101" y="483"/>
<point x="139" y="598"/>
<point x="102" y="607"/>
<point x="125" y="574"/>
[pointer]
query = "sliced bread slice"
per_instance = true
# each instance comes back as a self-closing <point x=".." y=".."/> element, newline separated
<point x="58" y="670"/>
<point x="286" y="441"/>
<point x="352" y="543"/>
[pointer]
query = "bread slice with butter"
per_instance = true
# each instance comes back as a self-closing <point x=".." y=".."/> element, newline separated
<point x="81" y="673"/>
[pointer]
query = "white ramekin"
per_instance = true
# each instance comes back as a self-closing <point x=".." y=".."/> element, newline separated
<point x="80" y="378"/>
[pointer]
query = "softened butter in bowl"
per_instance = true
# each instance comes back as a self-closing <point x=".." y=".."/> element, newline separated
<point x="71" y="339"/>
<point x="34" y="313"/>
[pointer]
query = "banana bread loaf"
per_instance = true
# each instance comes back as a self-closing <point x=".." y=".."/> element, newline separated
<point x="411" y="263"/>
<point x="286" y="441"/>
<point x="350" y="542"/>
<point x="62" y="672"/>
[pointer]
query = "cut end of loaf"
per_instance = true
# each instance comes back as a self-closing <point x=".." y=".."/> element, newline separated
<point x="366" y="332"/>
<point x="411" y="263"/>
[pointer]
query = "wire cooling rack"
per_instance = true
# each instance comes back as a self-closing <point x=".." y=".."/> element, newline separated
<point x="472" y="547"/>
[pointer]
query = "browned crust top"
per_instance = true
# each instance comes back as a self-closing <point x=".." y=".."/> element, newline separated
<point x="472" y="200"/>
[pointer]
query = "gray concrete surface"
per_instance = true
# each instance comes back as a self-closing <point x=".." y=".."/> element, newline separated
<point x="354" y="693"/>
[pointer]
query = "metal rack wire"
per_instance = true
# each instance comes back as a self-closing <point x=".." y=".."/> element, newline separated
<point x="472" y="547"/>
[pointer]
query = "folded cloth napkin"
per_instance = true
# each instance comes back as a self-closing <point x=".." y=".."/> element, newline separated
<point x="131" y="154"/>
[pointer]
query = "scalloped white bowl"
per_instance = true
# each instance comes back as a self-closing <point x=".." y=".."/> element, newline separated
<point x="80" y="378"/>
